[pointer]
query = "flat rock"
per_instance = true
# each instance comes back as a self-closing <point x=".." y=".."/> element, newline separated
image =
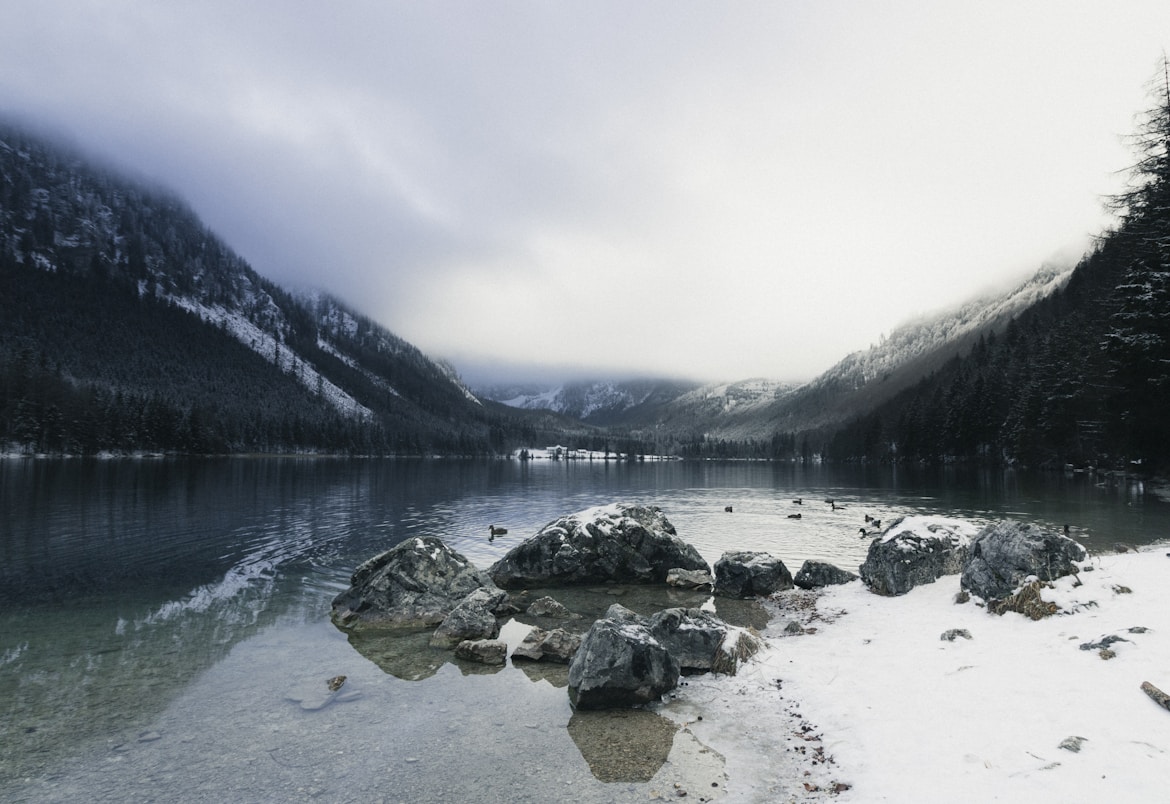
<point x="483" y="651"/>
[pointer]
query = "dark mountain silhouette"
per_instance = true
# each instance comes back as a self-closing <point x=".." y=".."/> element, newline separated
<point x="125" y="325"/>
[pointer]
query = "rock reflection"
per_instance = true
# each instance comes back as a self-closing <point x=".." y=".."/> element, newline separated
<point x="403" y="653"/>
<point x="476" y="668"/>
<point x="552" y="672"/>
<point x="628" y="745"/>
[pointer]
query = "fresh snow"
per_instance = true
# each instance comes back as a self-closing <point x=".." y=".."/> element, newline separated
<point x="956" y="531"/>
<point x="263" y="343"/>
<point x="871" y="696"/>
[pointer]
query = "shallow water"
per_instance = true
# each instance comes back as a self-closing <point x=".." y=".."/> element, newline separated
<point x="164" y="626"/>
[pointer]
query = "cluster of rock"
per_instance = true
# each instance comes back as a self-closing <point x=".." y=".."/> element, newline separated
<point x="994" y="564"/>
<point x="628" y="660"/>
<point x="624" y="659"/>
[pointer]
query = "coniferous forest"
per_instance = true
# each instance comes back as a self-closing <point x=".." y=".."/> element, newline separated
<point x="125" y="326"/>
<point x="1082" y="377"/>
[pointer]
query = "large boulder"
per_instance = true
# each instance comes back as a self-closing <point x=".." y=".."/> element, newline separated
<point x="621" y="543"/>
<point x="620" y="664"/>
<point x="701" y="642"/>
<point x="817" y="574"/>
<point x="474" y="618"/>
<point x="747" y="574"/>
<point x="915" y="551"/>
<point x="414" y="584"/>
<point x="1005" y="554"/>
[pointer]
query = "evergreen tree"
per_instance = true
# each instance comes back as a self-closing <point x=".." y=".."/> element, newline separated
<point x="1138" y="340"/>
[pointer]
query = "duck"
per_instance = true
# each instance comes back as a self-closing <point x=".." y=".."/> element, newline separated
<point x="495" y="531"/>
<point x="835" y="506"/>
<point x="727" y="508"/>
<point x="794" y="516"/>
<point x="798" y="501"/>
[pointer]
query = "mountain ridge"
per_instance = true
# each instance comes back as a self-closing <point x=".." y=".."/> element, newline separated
<point x="757" y="408"/>
<point x="66" y="218"/>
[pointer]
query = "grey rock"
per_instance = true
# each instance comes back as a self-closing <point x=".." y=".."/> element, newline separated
<point x="620" y="664"/>
<point x="817" y="574"/>
<point x="622" y="543"/>
<point x="750" y="574"/>
<point x="473" y="618"/>
<point x="689" y="579"/>
<point x="1103" y="643"/>
<point x="692" y="636"/>
<point x="529" y="647"/>
<point x="904" y="558"/>
<point x="560" y="646"/>
<point x="483" y="651"/>
<point x="416" y="583"/>
<point x="1005" y="554"/>
<point x="954" y="633"/>
<point x="548" y="607"/>
<point x="557" y="645"/>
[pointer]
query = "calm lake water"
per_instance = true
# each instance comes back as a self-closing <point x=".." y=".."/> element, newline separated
<point x="164" y="630"/>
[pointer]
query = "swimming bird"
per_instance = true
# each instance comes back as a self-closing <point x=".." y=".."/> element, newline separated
<point x="863" y="533"/>
<point x="877" y="523"/>
<point x="794" y="516"/>
<point x="835" y="506"/>
<point x="727" y="508"/>
<point x="868" y="518"/>
<point x="494" y="531"/>
<point x="799" y="501"/>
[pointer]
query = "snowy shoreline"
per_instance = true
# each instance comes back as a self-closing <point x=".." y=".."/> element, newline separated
<point x="875" y="705"/>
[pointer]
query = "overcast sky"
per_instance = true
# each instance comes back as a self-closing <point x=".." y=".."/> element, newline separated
<point x="706" y="190"/>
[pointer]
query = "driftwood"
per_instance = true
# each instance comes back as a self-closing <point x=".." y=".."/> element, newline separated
<point x="1158" y="697"/>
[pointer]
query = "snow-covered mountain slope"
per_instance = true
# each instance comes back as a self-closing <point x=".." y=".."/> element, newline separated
<point x="758" y="408"/>
<point x="867" y="378"/>
<point x="64" y="217"/>
<point x="924" y="335"/>
<point x="596" y="402"/>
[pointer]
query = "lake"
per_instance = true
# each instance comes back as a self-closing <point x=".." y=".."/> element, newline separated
<point x="164" y="628"/>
